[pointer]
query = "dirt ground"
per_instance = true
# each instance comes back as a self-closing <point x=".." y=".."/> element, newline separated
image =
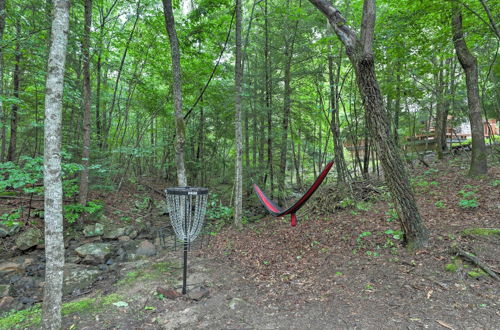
<point x="340" y="270"/>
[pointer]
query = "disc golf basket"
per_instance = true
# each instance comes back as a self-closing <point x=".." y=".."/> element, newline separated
<point x="186" y="207"/>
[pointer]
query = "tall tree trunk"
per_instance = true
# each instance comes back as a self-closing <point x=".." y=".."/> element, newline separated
<point x="16" y="80"/>
<point x="397" y="104"/>
<point x="287" y="94"/>
<point x="98" y="101"/>
<point x="180" y="126"/>
<point x="440" y="124"/>
<point x="478" y="165"/>
<point x="102" y="22"/>
<point x="360" y="53"/>
<point x="238" y="193"/>
<point x="338" y="149"/>
<point x="107" y="123"/>
<point x="2" y="109"/>
<point x="54" y="240"/>
<point x="87" y="104"/>
<point x="268" y="78"/>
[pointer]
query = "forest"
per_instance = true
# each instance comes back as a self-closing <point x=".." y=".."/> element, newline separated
<point x="105" y="103"/>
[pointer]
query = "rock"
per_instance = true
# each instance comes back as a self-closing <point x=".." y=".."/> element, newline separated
<point x="72" y="259"/>
<point x="10" y="267"/>
<point x="114" y="233"/>
<point x="9" y="229"/>
<point x="168" y="293"/>
<point x="5" y="303"/>
<point x="27" y="301"/>
<point x="128" y="252"/>
<point x="79" y="277"/>
<point x="29" y="238"/>
<point x="95" y="253"/>
<point x="131" y="232"/>
<point x="96" y="229"/>
<point x="235" y="303"/>
<point x="124" y="239"/>
<point x="4" y="290"/>
<point x="162" y="208"/>
<point x="199" y="294"/>
<point x="146" y="248"/>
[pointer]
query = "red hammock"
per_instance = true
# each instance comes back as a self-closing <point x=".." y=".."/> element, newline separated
<point x="275" y="210"/>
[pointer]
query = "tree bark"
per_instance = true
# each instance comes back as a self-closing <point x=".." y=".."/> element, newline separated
<point x="268" y="78"/>
<point x="54" y="240"/>
<point x="106" y="124"/>
<point x="478" y="165"/>
<point x="177" y="91"/>
<point x="360" y="53"/>
<point x="441" y="114"/>
<point x="238" y="193"/>
<point x="287" y="94"/>
<point x="87" y="104"/>
<point x="16" y="80"/>
<point x="338" y="148"/>
<point x="2" y="110"/>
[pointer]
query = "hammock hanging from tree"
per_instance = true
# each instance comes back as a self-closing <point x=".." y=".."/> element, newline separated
<point x="276" y="211"/>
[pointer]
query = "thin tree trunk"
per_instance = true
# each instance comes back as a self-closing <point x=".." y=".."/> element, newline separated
<point x="397" y="103"/>
<point x="267" y="67"/>
<point x="338" y="149"/>
<point x="238" y="193"/>
<point x="54" y="240"/>
<point x="440" y="113"/>
<point x="289" y="43"/>
<point x="107" y="124"/>
<point x="3" y="119"/>
<point x="87" y="104"/>
<point x="490" y="18"/>
<point x="16" y="80"/>
<point x="177" y="91"/>
<point x="360" y="53"/>
<point x="478" y="165"/>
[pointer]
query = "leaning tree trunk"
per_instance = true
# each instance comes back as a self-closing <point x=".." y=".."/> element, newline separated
<point x="87" y="103"/>
<point x="359" y="51"/>
<point x="478" y="165"/>
<point x="177" y="90"/>
<point x="238" y="193"/>
<point x="54" y="240"/>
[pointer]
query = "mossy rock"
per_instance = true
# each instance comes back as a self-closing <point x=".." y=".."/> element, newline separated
<point x="481" y="232"/>
<point x="29" y="238"/>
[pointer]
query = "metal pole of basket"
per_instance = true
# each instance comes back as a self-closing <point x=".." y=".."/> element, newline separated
<point x="186" y="207"/>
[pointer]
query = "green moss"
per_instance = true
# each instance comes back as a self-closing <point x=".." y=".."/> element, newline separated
<point x="451" y="267"/>
<point x="78" y="306"/>
<point x="28" y="317"/>
<point x="33" y="316"/>
<point x="111" y="298"/>
<point x="476" y="272"/>
<point x="481" y="232"/>
<point x="151" y="272"/>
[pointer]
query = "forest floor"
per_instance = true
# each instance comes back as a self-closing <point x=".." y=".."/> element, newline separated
<point x="341" y="267"/>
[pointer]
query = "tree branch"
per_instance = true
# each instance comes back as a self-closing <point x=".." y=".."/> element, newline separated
<point x="345" y="33"/>
<point x="368" y="26"/>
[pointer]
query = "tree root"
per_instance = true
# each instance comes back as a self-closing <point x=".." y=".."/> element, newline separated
<point x="473" y="259"/>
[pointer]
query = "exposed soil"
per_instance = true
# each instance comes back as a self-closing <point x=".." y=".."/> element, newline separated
<point x="335" y="270"/>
